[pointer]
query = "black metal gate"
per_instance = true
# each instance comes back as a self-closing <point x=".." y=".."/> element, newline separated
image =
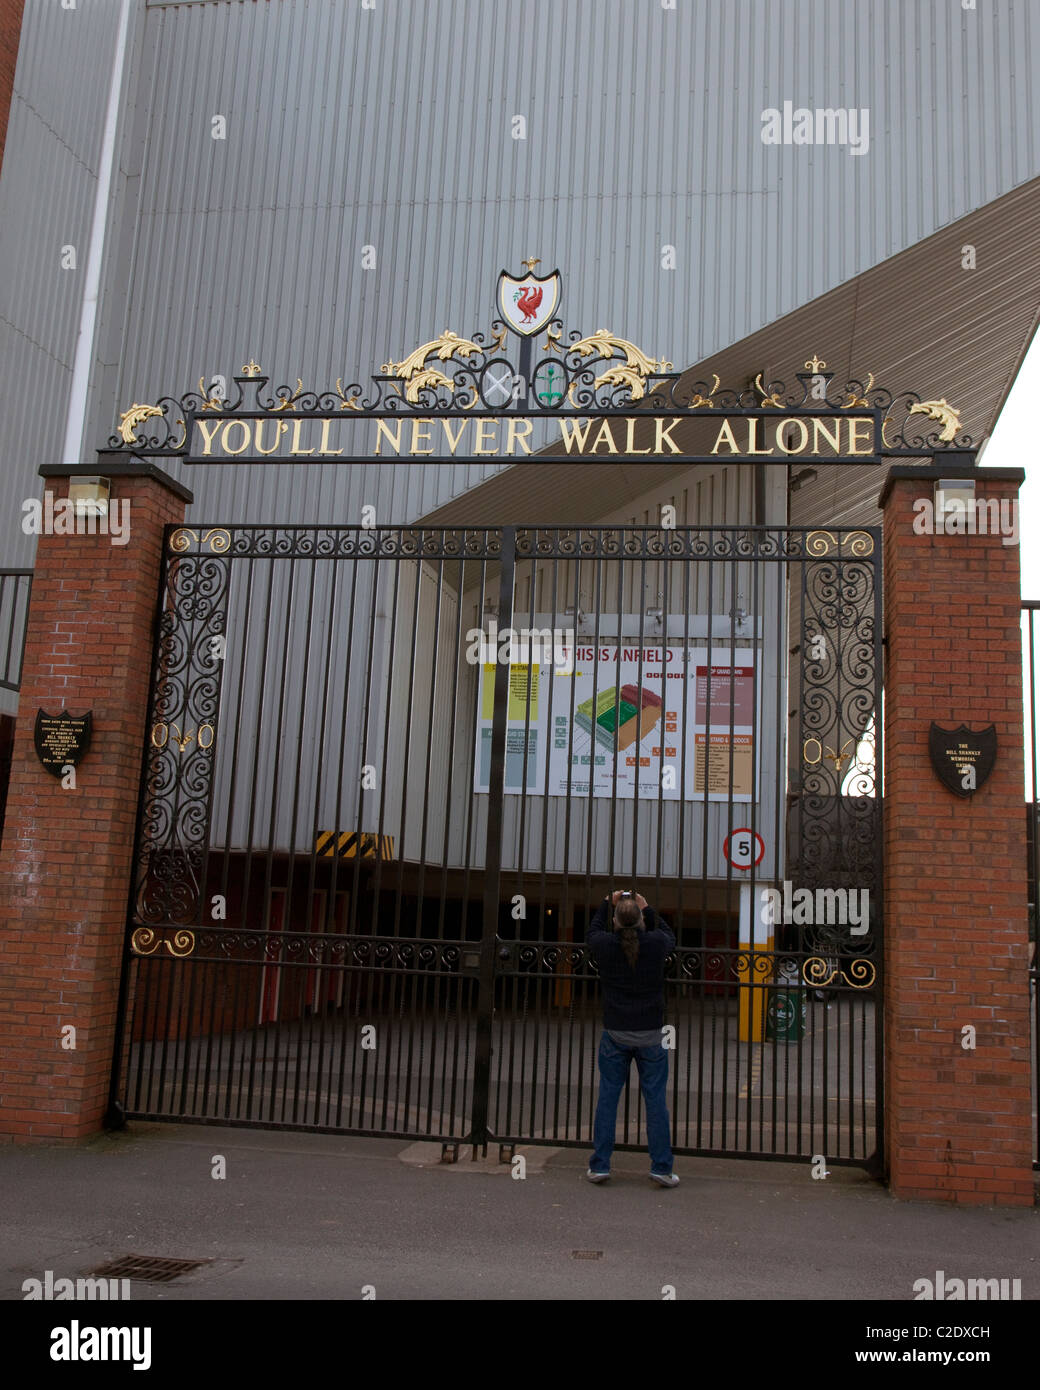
<point x="391" y="772"/>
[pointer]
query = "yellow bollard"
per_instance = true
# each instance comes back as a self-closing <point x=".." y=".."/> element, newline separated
<point x="754" y="970"/>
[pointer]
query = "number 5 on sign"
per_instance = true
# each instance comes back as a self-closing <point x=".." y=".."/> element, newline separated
<point x="744" y="847"/>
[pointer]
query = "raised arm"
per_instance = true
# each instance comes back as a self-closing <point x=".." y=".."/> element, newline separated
<point x="655" y="922"/>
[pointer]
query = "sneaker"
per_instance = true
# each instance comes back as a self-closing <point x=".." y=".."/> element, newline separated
<point x="597" y="1177"/>
<point x="665" y="1179"/>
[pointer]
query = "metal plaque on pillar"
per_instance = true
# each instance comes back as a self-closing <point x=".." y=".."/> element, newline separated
<point x="62" y="739"/>
<point x="962" y="758"/>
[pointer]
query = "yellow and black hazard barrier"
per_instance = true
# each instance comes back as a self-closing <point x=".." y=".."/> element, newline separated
<point x="353" y="844"/>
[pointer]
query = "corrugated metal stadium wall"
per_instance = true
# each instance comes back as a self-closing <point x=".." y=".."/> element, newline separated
<point x="391" y="127"/>
<point x="46" y="203"/>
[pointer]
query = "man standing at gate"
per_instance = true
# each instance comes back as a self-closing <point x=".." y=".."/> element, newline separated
<point x="629" y="943"/>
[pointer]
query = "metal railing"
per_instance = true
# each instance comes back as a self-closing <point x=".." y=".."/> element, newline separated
<point x="370" y="1035"/>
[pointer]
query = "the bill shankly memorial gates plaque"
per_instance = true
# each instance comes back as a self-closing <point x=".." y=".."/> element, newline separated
<point x="390" y="771"/>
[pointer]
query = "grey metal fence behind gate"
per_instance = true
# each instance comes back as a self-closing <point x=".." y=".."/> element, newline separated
<point x="389" y="775"/>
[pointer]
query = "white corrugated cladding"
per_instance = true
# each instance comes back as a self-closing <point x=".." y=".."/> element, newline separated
<point x="46" y="204"/>
<point x="393" y="127"/>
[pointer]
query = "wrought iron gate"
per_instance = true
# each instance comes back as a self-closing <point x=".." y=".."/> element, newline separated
<point x="376" y="819"/>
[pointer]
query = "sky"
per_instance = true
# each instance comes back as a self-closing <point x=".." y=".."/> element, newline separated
<point x="1013" y="445"/>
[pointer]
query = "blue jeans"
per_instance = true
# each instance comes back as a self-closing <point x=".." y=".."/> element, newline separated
<point x="614" y="1065"/>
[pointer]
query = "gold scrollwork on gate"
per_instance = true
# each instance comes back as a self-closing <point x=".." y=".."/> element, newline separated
<point x="820" y="543"/>
<point x="848" y="545"/>
<point x="819" y="752"/>
<point x="145" y="941"/>
<point x="217" y="539"/>
<point x="204" y="736"/>
<point x="818" y="973"/>
<point x="858" y="543"/>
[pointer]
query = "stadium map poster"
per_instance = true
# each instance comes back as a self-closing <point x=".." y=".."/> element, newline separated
<point x="638" y="720"/>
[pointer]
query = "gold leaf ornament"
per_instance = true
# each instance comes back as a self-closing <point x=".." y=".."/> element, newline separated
<point x="289" y="402"/>
<point x="415" y="372"/>
<point x="136" y="415"/>
<point x="768" y="399"/>
<point x="637" y="366"/>
<point x="699" y="400"/>
<point x="854" y="400"/>
<point x="209" y="402"/>
<point x="943" y="412"/>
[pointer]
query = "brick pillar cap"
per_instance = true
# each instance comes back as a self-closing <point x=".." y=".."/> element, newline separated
<point x="113" y="463"/>
<point x="932" y="472"/>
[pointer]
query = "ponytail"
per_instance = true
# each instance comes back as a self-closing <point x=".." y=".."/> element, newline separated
<point x="628" y="919"/>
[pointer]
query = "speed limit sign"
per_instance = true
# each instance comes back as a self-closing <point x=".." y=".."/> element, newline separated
<point x="744" y="847"/>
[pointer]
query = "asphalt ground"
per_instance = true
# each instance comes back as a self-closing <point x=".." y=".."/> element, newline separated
<point x="307" y="1216"/>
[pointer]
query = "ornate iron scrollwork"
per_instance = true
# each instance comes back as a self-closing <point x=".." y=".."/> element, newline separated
<point x="174" y="830"/>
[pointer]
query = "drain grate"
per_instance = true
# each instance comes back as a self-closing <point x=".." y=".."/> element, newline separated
<point x="586" y="1254"/>
<point x="147" y="1269"/>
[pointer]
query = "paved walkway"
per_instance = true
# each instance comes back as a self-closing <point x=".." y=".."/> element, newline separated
<point x="306" y="1216"/>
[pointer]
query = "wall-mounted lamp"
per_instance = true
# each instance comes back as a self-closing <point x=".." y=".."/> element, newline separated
<point x="90" y="495"/>
<point x="953" y="496"/>
<point x="655" y="615"/>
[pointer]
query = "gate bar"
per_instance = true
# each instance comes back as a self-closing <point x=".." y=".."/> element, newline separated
<point x="493" y="855"/>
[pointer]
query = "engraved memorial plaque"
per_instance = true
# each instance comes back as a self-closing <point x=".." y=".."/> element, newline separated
<point x="61" y="739"/>
<point x="962" y="758"/>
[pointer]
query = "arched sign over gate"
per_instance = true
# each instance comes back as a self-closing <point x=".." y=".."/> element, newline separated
<point x="528" y="391"/>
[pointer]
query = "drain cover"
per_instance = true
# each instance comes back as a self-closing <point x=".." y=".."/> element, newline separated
<point x="147" y="1269"/>
<point x="586" y="1254"/>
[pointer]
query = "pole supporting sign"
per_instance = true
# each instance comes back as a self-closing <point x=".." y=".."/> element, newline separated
<point x="527" y="390"/>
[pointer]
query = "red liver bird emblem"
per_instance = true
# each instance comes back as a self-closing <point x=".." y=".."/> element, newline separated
<point x="528" y="302"/>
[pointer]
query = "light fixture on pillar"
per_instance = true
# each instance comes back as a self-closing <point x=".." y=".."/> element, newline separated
<point x="90" y="496"/>
<point x="954" y="497"/>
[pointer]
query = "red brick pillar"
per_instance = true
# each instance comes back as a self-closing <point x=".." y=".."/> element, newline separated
<point x="65" y="861"/>
<point x="957" y="1120"/>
